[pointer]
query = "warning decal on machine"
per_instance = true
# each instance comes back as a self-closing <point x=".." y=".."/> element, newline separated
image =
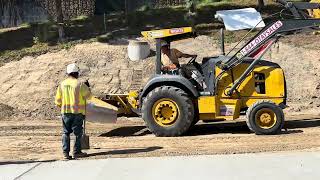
<point x="226" y="110"/>
<point x="263" y="36"/>
<point x="176" y="31"/>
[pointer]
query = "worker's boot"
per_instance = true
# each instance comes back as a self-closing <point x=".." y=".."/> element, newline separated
<point x="80" y="155"/>
<point x="66" y="156"/>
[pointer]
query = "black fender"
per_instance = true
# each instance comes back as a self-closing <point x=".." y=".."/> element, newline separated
<point x="169" y="80"/>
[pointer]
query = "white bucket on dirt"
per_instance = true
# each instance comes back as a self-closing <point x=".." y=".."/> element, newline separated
<point x="138" y="50"/>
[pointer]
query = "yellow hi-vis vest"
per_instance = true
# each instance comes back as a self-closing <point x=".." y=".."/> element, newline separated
<point x="72" y="96"/>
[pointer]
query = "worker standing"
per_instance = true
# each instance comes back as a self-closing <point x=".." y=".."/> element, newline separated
<point x="71" y="97"/>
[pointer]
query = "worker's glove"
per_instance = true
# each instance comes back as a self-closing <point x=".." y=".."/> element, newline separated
<point x="87" y="83"/>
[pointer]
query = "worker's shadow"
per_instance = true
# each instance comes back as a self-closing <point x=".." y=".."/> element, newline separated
<point x="127" y="131"/>
<point x="126" y="151"/>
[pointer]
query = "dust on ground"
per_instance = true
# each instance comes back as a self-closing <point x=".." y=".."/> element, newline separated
<point x="40" y="140"/>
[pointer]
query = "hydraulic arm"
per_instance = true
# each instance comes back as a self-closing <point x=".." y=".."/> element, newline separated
<point x="259" y="44"/>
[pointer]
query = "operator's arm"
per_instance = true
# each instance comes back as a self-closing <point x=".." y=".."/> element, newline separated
<point x="180" y="54"/>
<point x="170" y="67"/>
<point x="188" y="56"/>
<point x="58" y="99"/>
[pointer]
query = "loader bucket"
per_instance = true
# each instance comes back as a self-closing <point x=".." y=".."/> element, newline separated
<point x="127" y="104"/>
<point x="100" y="111"/>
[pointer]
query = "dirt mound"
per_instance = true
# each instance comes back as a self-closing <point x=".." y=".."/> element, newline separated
<point x="29" y="85"/>
<point x="301" y="66"/>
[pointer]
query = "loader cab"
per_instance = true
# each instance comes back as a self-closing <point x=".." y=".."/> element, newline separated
<point x="168" y="36"/>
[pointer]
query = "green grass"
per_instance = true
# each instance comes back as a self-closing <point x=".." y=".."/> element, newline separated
<point x="36" y="50"/>
<point x="81" y="18"/>
<point x="201" y="3"/>
<point x="14" y="55"/>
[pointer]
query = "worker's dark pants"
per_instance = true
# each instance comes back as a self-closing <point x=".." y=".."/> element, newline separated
<point x="72" y="123"/>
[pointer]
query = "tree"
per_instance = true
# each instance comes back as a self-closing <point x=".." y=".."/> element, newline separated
<point x="191" y="14"/>
<point x="10" y="11"/>
<point x="260" y="4"/>
<point x="59" y="18"/>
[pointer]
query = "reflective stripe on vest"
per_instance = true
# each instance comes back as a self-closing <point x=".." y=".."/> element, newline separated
<point x="77" y="98"/>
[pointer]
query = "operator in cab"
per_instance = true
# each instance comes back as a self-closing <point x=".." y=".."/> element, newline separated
<point x="170" y="58"/>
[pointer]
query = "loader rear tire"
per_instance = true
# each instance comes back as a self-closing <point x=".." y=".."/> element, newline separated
<point x="265" y="118"/>
<point x="168" y="111"/>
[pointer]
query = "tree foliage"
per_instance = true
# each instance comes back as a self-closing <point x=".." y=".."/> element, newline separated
<point x="10" y="12"/>
<point x="260" y="4"/>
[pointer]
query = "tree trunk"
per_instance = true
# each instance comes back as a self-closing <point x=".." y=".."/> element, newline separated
<point x="260" y="4"/>
<point x="60" y="23"/>
<point x="10" y="13"/>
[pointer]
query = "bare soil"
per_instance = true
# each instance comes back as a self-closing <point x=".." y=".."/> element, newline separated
<point x="29" y="85"/>
<point x="40" y="140"/>
<point x="30" y="128"/>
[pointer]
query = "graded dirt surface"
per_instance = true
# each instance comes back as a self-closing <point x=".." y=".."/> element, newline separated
<point x="40" y="140"/>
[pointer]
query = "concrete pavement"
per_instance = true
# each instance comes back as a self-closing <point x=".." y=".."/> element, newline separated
<point x="284" y="166"/>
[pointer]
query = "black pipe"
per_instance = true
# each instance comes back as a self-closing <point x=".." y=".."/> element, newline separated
<point x="158" y="60"/>
<point x="223" y="52"/>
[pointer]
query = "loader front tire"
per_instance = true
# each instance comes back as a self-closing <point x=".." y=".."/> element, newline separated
<point x="265" y="118"/>
<point x="168" y="111"/>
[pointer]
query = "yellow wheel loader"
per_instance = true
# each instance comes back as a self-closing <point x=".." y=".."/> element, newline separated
<point x="221" y="87"/>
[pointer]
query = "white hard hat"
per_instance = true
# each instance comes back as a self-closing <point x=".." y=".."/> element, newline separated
<point x="72" y="68"/>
